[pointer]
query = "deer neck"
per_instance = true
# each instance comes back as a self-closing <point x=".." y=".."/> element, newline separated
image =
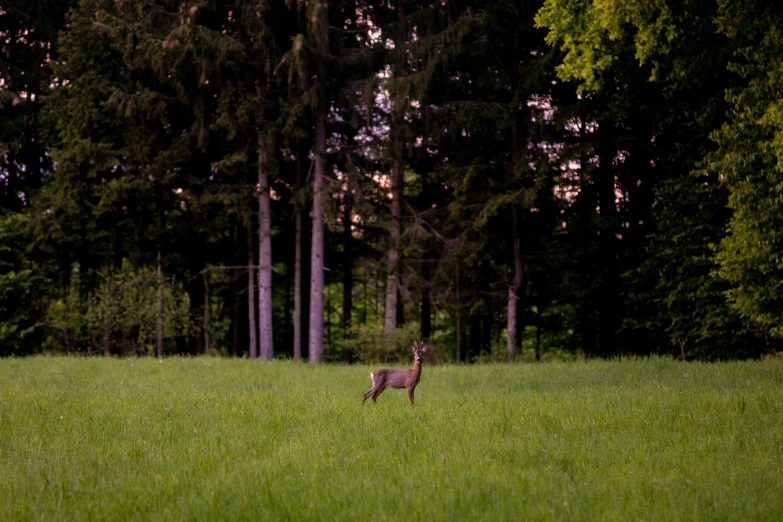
<point x="417" y="367"/>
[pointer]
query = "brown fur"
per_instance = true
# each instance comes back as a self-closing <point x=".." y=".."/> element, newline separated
<point x="389" y="378"/>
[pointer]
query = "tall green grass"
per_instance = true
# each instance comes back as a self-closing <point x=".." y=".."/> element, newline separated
<point x="216" y="439"/>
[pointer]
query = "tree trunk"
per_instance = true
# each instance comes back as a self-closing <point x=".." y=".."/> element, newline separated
<point x="486" y="325"/>
<point x="400" y="315"/>
<point x="426" y="300"/>
<point x="585" y="206"/>
<point x="393" y="284"/>
<point x="298" y="262"/>
<point x="316" y="330"/>
<point x="395" y="228"/>
<point x="161" y="227"/>
<point x="523" y="298"/>
<point x="364" y="297"/>
<point x="514" y="289"/>
<point x="608" y="288"/>
<point x="607" y="245"/>
<point x="538" y="341"/>
<point x="266" y="347"/>
<point x="585" y="328"/>
<point x="347" y="272"/>
<point x="84" y="264"/>
<point x="317" y="250"/>
<point x="106" y="312"/>
<point x="235" y="322"/>
<point x="307" y="228"/>
<point x="516" y="282"/>
<point x="288" y="341"/>
<point x="427" y="258"/>
<point x="67" y="342"/>
<point x="474" y="346"/>
<point x="118" y="241"/>
<point x="251" y="296"/>
<point x="206" y="313"/>
<point x="328" y="316"/>
<point x="459" y="323"/>
<point x="159" y="321"/>
<point x="378" y="287"/>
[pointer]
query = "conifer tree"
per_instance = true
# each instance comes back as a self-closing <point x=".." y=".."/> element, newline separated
<point x="308" y="65"/>
<point x="318" y="32"/>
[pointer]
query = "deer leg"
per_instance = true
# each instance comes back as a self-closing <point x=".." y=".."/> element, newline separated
<point x="377" y="392"/>
<point x="410" y="394"/>
<point x="372" y="392"/>
<point x="369" y="392"/>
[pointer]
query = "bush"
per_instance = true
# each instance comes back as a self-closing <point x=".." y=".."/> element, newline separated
<point x="120" y="315"/>
<point x="372" y="345"/>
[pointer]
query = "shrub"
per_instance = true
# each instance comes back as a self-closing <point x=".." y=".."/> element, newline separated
<point x="120" y="315"/>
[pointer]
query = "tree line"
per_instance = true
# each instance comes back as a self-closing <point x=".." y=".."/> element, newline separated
<point x="508" y="180"/>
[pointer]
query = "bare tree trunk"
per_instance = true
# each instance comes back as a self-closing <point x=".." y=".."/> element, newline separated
<point x="288" y="341"/>
<point x="328" y="316"/>
<point x="161" y="227"/>
<point x="159" y="325"/>
<point x="364" y="298"/>
<point x="235" y="319"/>
<point x="523" y="296"/>
<point x="106" y="313"/>
<point x="317" y="251"/>
<point x="473" y="346"/>
<point x="392" y="311"/>
<point x="585" y="204"/>
<point x="378" y="285"/>
<point x="206" y="313"/>
<point x="607" y="250"/>
<point x="516" y="283"/>
<point x="266" y="348"/>
<point x="538" y="341"/>
<point x="426" y="303"/>
<point x="435" y="322"/>
<point x="251" y="296"/>
<point x="511" y="325"/>
<point x="395" y="228"/>
<point x="459" y="322"/>
<point x="298" y="264"/>
<point x="400" y="315"/>
<point x="487" y="322"/>
<point x="427" y="259"/>
<point x="67" y="342"/>
<point x="586" y="336"/>
<point x="514" y="289"/>
<point x="316" y="330"/>
<point x="347" y="272"/>
<point x="307" y="240"/>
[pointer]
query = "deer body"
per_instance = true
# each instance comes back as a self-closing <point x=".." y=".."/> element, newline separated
<point x="392" y="378"/>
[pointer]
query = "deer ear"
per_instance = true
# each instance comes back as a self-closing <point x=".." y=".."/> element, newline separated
<point x="423" y="347"/>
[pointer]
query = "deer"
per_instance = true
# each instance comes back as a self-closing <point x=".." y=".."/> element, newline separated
<point x="392" y="378"/>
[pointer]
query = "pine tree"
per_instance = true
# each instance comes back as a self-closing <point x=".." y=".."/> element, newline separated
<point x="318" y="15"/>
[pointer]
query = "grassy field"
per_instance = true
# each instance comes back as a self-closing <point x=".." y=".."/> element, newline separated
<point x="214" y="439"/>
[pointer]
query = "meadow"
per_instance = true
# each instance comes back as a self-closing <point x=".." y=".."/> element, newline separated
<point x="221" y="439"/>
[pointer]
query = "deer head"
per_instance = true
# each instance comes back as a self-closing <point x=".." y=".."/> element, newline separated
<point x="418" y="349"/>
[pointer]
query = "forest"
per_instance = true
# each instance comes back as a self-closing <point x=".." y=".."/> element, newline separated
<point x="510" y="180"/>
